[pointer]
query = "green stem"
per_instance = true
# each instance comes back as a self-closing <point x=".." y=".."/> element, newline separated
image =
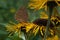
<point x="47" y="28"/>
<point x="48" y="24"/>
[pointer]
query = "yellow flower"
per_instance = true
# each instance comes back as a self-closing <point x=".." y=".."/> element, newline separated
<point x="43" y="15"/>
<point x="37" y="4"/>
<point x="10" y="28"/>
<point x="35" y="30"/>
<point x="53" y="38"/>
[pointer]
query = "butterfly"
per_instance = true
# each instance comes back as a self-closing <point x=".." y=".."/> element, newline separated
<point x="21" y="15"/>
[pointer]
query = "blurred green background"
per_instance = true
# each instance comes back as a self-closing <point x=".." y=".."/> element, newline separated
<point x="8" y="9"/>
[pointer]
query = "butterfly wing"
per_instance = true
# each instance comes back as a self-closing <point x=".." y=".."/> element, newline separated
<point x="21" y="15"/>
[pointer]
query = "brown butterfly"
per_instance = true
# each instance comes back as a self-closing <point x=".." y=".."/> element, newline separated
<point x="22" y="15"/>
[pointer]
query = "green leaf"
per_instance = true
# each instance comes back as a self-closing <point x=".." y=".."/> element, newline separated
<point x="3" y="3"/>
<point x="15" y="36"/>
<point x="3" y="34"/>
